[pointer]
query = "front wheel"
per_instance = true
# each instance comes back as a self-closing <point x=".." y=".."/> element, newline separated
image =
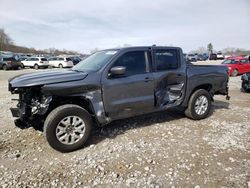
<point x="199" y="105"/>
<point x="235" y="72"/>
<point x="67" y="127"/>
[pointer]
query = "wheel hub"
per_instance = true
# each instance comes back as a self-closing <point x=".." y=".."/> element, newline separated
<point x="201" y="105"/>
<point x="70" y="130"/>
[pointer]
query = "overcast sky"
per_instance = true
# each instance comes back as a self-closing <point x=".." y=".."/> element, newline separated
<point x="85" y="25"/>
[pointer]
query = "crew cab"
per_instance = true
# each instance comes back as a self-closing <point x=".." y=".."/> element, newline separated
<point x="237" y="65"/>
<point x="110" y="85"/>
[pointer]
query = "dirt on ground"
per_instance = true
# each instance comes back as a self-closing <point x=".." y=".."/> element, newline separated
<point x="164" y="149"/>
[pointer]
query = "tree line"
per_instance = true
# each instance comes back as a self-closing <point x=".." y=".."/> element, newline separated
<point x="7" y="44"/>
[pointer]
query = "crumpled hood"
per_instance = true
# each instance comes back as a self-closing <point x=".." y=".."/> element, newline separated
<point x="45" y="77"/>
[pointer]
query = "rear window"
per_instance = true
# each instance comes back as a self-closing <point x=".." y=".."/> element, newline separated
<point x="43" y="59"/>
<point x="9" y="59"/>
<point x="68" y="59"/>
<point x="166" y="59"/>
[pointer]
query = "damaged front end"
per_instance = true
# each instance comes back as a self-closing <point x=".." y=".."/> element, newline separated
<point x="31" y="107"/>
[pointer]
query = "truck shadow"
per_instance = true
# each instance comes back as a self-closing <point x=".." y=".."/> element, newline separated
<point x="119" y="127"/>
<point x="219" y="105"/>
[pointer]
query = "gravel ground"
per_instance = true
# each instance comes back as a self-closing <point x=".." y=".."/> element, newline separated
<point x="163" y="149"/>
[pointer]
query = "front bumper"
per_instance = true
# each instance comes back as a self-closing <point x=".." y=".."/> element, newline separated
<point x="21" y="124"/>
<point x="15" y="112"/>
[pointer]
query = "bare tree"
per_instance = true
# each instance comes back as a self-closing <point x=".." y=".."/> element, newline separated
<point x="5" y="40"/>
<point x="210" y="47"/>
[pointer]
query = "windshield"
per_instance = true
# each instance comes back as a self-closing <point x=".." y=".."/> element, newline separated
<point x="95" y="62"/>
<point x="229" y="61"/>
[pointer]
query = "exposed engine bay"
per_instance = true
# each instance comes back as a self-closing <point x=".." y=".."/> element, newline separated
<point x="31" y="102"/>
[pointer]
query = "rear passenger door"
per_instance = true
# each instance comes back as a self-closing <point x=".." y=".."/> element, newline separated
<point x="170" y="77"/>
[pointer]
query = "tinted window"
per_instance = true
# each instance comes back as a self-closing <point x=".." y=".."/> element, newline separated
<point x="33" y="59"/>
<point x="166" y="59"/>
<point x="68" y="59"/>
<point x="8" y="59"/>
<point x="43" y="59"/>
<point x="134" y="62"/>
<point x="244" y="61"/>
<point x="229" y="61"/>
<point x="60" y="59"/>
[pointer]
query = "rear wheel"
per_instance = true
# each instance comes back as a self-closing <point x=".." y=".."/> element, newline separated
<point x="199" y="105"/>
<point x="36" y="66"/>
<point x="5" y="67"/>
<point x="22" y="65"/>
<point x="60" y="66"/>
<point x="67" y="127"/>
<point x="235" y="72"/>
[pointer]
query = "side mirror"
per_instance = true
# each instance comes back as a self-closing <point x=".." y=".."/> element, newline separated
<point x="117" y="71"/>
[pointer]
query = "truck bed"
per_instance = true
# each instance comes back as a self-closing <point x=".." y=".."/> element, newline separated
<point x="211" y="76"/>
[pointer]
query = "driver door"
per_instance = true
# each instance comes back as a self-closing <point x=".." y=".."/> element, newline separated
<point x="133" y="92"/>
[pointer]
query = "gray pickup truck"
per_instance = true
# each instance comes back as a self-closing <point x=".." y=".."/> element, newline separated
<point x="113" y="84"/>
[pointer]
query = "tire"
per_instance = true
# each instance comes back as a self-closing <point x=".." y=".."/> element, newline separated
<point x="235" y="72"/>
<point x="36" y="66"/>
<point x="199" y="110"/>
<point x="60" y="66"/>
<point x="5" y="67"/>
<point x="244" y="88"/>
<point x="22" y="66"/>
<point x="53" y="126"/>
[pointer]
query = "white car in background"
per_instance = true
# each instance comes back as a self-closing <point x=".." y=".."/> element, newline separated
<point x="61" y="62"/>
<point x="220" y="56"/>
<point x="35" y="62"/>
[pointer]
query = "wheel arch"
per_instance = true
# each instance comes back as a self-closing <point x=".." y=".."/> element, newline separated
<point x="77" y="100"/>
<point x="92" y="102"/>
<point x="234" y="70"/>
<point x="208" y="87"/>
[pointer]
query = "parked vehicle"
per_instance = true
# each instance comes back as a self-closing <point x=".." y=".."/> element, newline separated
<point x="35" y="62"/>
<point x="75" y="59"/>
<point x="7" y="63"/>
<point x="61" y="62"/>
<point x="237" y="65"/>
<point x="245" y="85"/>
<point x="192" y="57"/>
<point x="202" y="57"/>
<point x="22" y="58"/>
<point x="212" y="56"/>
<point x="220" y="56"/>
<point x="114" y="84"/>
